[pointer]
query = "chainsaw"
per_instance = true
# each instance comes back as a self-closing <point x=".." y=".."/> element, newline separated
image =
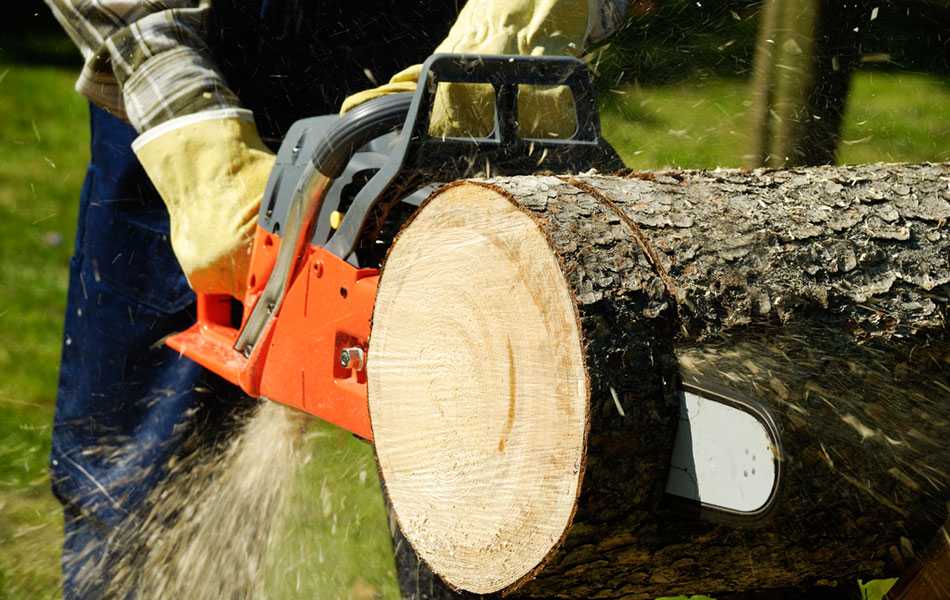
<point x="341" y="188"/>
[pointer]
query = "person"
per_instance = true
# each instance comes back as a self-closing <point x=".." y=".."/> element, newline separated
<point x="188" y="100"/>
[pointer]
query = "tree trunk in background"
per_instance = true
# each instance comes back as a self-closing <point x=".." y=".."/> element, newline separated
<point x="805" y="55"/>
<point x="822" y="293"/>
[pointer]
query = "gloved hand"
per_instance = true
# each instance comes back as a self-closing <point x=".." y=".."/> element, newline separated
<point x="211" y="170"/>
<point x="523" y="27"/>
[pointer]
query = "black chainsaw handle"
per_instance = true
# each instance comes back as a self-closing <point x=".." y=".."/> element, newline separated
<point x="449" y="158"/>
<point x="505" y="74"/>
<point x="357" y="128"/>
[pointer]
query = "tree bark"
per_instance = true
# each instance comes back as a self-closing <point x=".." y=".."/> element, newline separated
<point x="820" y="292"/>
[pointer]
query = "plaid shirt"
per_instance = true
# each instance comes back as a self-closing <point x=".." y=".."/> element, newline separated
<point x="147" y="61"/>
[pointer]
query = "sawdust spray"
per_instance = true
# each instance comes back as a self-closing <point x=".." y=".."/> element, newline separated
<point x="284" y="507"/>
<point x="209" y="527"/>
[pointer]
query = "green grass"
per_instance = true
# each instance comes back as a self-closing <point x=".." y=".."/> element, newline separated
<point x="336" y="541"/>
<point x="43" y="140"/>
<point x="891" y="117"/>
<point x="43" y="149"/>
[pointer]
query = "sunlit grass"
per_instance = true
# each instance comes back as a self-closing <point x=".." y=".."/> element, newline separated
<point x="43" y="139"/>
<point x="891" y="117"/>
<point x="898" y="117"/>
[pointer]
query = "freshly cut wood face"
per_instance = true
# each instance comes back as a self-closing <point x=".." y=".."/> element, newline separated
<point x="478" y="392"/>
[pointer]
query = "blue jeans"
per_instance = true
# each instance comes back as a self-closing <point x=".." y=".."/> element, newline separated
<point x="125" y="402"/>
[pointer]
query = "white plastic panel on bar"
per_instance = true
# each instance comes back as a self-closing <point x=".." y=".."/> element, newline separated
<point x="723" y="457"/>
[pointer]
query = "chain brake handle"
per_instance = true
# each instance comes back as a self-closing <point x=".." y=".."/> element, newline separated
<point x="505" y="74"/>
<point x="504" y="150"/>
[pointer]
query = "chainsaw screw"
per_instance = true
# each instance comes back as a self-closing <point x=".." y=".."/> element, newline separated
<point x="318" y="268"/>
<point x="353" y="358"/>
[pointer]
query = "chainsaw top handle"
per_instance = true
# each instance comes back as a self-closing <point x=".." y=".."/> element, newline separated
<point x="504" y="151"/>
<point x="505" y="74"/>
<point x="357" y="128"/>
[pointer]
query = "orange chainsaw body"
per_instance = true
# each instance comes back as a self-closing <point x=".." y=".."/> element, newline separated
<point x="327" y="309"/>
<point x="306" y="310"/>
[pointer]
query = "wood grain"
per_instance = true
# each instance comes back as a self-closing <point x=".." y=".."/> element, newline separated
<point x="478" y="390"/>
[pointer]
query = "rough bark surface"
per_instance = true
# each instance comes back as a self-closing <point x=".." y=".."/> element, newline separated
<point x="820" y="292"/>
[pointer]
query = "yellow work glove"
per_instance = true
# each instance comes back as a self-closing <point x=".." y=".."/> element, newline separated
<point x="521" y="27"/>
<point x="211" y="170"/>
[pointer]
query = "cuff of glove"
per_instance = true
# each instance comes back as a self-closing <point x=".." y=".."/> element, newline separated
<point x="210" y="168"/>
<point x="158" y="131"/>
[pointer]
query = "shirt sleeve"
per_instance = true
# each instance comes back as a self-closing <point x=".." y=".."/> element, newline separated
<point x="146" y="61"/>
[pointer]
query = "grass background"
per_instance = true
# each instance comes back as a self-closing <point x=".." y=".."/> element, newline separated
<point x="696" y="122"/>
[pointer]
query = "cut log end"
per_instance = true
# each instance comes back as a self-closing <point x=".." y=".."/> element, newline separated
<point x="478" y="392"/>
<point x="530" y="333"/>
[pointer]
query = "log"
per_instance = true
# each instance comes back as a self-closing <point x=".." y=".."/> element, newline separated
<point x="530" y="334"/>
